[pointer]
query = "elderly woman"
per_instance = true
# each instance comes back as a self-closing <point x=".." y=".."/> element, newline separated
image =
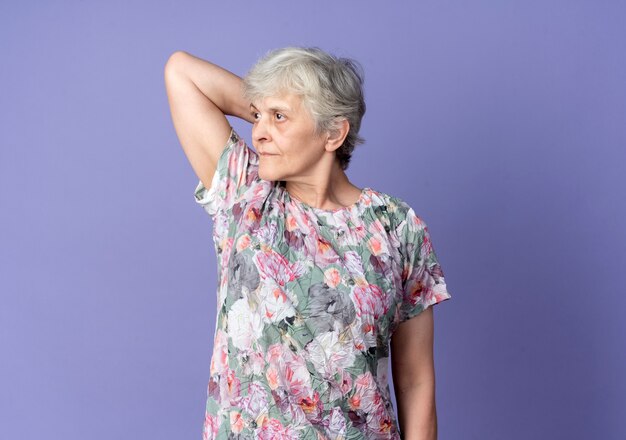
<point x="319" y="281"/>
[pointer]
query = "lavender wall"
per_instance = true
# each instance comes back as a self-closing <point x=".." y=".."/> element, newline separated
<point x="502" y="123"/>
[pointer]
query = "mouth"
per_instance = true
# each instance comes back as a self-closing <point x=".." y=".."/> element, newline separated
<point x="268" y="154"/>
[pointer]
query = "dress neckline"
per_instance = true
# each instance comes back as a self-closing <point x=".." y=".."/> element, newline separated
<point x="352" y="207"/>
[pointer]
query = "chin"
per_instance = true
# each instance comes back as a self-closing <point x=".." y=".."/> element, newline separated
<point x="268" y="175"/>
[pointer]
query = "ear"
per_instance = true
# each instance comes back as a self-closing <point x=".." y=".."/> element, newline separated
<point x="337" y="134"/>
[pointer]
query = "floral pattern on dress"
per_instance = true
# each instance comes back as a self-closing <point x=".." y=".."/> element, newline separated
<point x="307" y="301"/>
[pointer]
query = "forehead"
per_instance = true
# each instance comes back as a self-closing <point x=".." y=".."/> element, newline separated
<point x="283" y="101"/>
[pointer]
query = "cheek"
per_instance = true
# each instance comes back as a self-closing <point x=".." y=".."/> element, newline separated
<point x="300" y="159"/>
<point x="298" y="153"/>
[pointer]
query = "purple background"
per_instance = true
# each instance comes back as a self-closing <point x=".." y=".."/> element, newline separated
<point x="502" y="124"/>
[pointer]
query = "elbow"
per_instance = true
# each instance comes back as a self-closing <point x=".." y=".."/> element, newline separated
<point x="175" y="61"/>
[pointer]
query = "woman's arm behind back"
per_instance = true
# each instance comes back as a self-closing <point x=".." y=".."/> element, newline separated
<point x="200" y="94"/>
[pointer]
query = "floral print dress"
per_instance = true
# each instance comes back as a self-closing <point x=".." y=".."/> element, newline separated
<point x="307" y="301"/>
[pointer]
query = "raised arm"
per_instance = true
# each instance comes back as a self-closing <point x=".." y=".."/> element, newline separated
<point x="200" y="94"/>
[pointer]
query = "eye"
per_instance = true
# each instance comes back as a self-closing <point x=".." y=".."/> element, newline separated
<point x="280" y="116"/>
<point x="255" y="115"/>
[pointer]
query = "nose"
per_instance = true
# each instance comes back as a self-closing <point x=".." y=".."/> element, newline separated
<point x="260" y="132"/>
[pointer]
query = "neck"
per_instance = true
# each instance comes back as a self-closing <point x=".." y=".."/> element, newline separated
<point x="328" y="192"/>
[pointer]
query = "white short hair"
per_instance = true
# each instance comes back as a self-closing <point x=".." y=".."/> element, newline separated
<point x="331" y="88"/>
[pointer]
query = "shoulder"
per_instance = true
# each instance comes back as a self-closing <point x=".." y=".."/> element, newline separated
<point x="395" y="212"/>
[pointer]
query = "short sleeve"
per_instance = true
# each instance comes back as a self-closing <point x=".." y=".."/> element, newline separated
<point x="236" y="172"/>
<point x="423" y="283"/>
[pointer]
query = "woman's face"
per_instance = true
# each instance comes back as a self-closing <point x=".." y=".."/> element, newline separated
<point x="284" y="136"/>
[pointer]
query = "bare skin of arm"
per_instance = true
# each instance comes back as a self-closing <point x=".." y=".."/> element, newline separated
<point x="200" y="94"/>
<point x="413" y="373"/>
